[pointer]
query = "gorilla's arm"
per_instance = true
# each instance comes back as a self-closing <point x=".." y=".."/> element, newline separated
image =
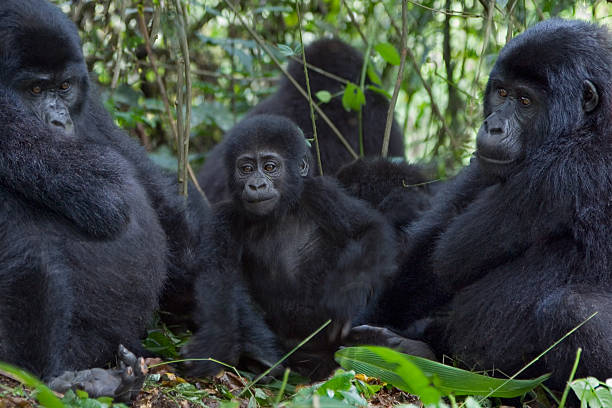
<point x="229" y="326"/>
<point x="80" y="181"/>
<point x="366" y="259"/>
<point x="451" y="200"/>
<point x="180" y="217"/>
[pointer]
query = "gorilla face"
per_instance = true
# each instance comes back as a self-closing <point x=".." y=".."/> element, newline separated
<point x="43" y="64"/>
<point x="51" y="98"/>
<point x="539" y="90"/>
<point x="260" y="173"/>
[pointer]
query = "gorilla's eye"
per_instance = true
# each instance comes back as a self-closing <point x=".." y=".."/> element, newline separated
<point x="36" y="90"/>
<point x="65" y="86"/>
<point x="269" y="167"/>
<point x="246" y="168"/>
<point x="525" y="101"/>
<point x="502" y="92"/>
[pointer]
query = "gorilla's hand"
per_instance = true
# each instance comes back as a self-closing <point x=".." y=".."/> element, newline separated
<point x="122" y="383"/>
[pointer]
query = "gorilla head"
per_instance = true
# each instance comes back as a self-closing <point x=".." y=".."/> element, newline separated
<point x="43" y="63"/>
<point x="267" y="158"/>
<point x="544" y="85"/>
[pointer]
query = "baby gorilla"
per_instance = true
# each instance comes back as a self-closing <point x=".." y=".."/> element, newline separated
<point x="291" y="251"/>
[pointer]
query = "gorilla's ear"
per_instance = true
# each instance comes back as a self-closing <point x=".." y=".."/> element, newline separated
<point x="304" y="167"/>
<point x="590" y="97"/>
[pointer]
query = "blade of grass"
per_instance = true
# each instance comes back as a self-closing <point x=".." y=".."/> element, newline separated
<point x="571" y="378"/>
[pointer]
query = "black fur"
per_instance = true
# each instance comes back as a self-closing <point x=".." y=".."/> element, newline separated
<point x="89" y="227"/>
<point x="344" y="61"/>
<point x="401" y="191"/>
<point x="320" y="254"/>
<point x="525" y="248"/>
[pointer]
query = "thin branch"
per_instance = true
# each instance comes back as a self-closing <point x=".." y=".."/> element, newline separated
<point x="162" y="90"/>
<point x="183" y="145"/>
<point x="485" y="43"/>
<point x="398" y="83"/>
<point x="417" y="69"/>
<point x="321" y="71"/>
<point x="119" y="53"/>
<point x="301" y="90"/>
<point x="354" y="21"/>
<point x="449" y="12"/>
<point x="310" y="104"/>
<point x="160" y="84"/>
<point x="364" y="69"/>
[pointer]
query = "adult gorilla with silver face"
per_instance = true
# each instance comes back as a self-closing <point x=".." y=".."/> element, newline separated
<point x="89" y="227"/>
<point x="518" y="247"/>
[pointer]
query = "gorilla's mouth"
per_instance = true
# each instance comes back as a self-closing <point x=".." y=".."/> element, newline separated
<point x="497" y="162"/>
<point x="260" y="199"/>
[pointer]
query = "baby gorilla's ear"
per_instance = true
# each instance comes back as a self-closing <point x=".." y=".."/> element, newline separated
<point x="304" y="167"/>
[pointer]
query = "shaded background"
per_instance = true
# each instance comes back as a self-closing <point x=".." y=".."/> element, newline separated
<point x="451" y="47"/>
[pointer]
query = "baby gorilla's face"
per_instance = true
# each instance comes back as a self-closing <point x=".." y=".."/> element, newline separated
<point x="259" y="174"/>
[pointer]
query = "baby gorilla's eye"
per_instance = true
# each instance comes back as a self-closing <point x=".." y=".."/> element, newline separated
<point x="502" y="92"/>
<point x="246" y="168"/>
<point x="269" y="167"/>
<point x="525" y="101"/>
<point x="65" y="86"/>
<point x="36" y="90"/>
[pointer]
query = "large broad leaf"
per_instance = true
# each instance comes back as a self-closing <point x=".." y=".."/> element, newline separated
<point x="592" y="393"/>
<point x="44" y="395"/>
<point x="390" y="366"/>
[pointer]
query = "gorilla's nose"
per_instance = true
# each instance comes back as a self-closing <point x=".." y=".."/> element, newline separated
<point x="258" y="186"/>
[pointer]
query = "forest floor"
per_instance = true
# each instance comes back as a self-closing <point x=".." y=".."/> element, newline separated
<point x="165" y="389"/>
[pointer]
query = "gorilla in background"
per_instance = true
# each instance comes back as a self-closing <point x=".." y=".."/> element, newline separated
<point x="89" y="227"/>
<point x="401" y="191"/>
<point x="340" y="59"/>
<point x="292" y="249"/>
<point x="522" y="238"/>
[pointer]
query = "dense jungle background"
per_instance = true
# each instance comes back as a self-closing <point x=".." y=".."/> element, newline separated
<point x="177" y="74"/>
<point x="138" y="49"/>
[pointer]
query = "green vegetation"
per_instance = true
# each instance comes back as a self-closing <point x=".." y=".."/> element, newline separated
<point x="137" y="50"/>
<point x="451" y="46"/>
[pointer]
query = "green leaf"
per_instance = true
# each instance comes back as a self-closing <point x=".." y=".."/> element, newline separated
<point x="379" y="90"/>
<point x="373" y="76"/>
<point x="81" y="394"/>
<point x="353" y="98"/>
<point x="391" y="367"/>
<point x="388" y="52"/>
<point x="591" y="393"/>
<point x="341" y="381"/>
<point x="324" y="96"/>
<point x="44" y="395"/>
<point x="397" y="369"/>
<point x="285" y="50"/>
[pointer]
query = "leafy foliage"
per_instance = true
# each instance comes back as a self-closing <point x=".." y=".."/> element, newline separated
<point x="451" y="46"/>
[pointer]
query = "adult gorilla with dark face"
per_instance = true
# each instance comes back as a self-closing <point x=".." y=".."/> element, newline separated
<point x="522" y="238"/>
<point x="89" y="227"/>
